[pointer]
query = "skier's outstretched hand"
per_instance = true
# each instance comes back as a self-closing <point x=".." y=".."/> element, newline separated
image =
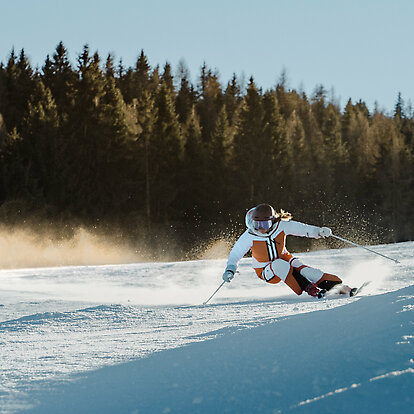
<point x="325" y="232"/>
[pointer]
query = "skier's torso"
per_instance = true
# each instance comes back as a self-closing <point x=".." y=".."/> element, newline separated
<point x="269" y="247"/>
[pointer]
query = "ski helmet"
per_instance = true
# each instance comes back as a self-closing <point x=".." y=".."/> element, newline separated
<point x="261" y="219"/>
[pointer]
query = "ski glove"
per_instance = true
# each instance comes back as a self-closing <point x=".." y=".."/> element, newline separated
<point x="229" y="273"/>
<point x="325" y="232"/>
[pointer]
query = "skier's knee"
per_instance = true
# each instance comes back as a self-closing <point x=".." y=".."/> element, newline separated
<point x="276" y="271"/>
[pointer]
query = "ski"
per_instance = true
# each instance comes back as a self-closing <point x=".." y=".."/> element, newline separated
<point x="353" y="292"/>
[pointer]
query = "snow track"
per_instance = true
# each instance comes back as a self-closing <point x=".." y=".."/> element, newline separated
<point x="59" y="322"/>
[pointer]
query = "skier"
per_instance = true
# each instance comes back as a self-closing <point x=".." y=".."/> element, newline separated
<point x="266" y="238"/>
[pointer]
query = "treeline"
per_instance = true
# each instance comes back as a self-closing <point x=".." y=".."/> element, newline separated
<point x="162" y="158"/>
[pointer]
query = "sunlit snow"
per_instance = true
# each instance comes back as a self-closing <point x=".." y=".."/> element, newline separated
<point x="57" y="323"/>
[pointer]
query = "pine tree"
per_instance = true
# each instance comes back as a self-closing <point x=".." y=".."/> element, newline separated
<point x="250" y="151"/>
<point x="146" y="113"/>
<point x="165" y="155"/>
<point x="110" y="67"/>
<point x="18" y="85"/>
<point x="280" y="158"/>
<point x="222" y="139"/>
<point x="296" y="142"/>
<point x="30" y="158"/>
<point x="40" y="144"/>
<point x="390" y="182"/>
<point x="232" y="100"/>
<point x="12" y="168"/>
<point x="186" y="96"/>
<point x="311" y="155"/>
<point x="135" y="81"/>
<point x="346" y="119"/>
<point x="126" y="85"/>
<point x="220" y="165"/>
<point x="60" y="78"/>
<point x="141" y="77"/>
<point x="112" y="149"/>
<point x="319" y="105"/>
<point x="168" y="79"/>
<point x="209" y="103"/>
<point x="83" y="144"/>
<point x="362" y="148"/>
<point x="336" y="160"/>
<point x="290" y="101"/>
<point x="194" y="176"/>
<point x="399" y="107"/>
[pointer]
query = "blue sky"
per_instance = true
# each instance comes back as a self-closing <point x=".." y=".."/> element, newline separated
<point x="362" y="49"/>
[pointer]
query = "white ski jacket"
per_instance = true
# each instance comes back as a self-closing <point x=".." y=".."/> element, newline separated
<point x="268" y="247"/>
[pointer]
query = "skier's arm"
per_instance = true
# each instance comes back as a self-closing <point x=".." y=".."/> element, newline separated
<point x="295" y="228"/>
<point x="240" y="248"/>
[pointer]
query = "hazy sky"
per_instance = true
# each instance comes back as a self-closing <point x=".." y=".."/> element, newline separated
<point x="361" y="48"/>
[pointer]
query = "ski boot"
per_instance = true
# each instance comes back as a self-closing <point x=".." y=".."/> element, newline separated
<point x="322" y="293"/>
<point x="313" y="291"/>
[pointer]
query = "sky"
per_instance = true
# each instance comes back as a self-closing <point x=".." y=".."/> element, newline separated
<point x="358" y="49"/>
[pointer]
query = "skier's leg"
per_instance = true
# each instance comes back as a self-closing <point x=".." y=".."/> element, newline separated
<point x="276" y="271"/>
<point x="328" y="281"/>
<point x="310" y="273"/>
<point x="279" y="270"/>
<point x="320" y="279"/>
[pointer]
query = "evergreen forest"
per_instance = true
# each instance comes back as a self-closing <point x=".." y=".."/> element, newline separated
<point x="169" y="162"/>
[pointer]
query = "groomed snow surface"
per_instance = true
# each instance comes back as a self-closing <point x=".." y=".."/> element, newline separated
<point x="136" y="339"/>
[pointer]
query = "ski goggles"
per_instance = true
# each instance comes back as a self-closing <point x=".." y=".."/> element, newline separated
<point x="262" y="224"/>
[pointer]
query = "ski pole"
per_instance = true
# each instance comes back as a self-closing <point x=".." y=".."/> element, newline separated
<point x="214" y="292"/>
<point x="366" y="248"/>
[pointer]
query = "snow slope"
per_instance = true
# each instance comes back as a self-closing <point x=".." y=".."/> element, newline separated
<point x="89" y="339"/>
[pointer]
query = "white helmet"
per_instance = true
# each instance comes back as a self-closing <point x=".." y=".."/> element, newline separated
<point x="261" y="219"/>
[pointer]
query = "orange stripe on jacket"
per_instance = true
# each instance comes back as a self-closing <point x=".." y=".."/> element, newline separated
<point x="259" y="251"/>
<point x="260" y="248"/>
